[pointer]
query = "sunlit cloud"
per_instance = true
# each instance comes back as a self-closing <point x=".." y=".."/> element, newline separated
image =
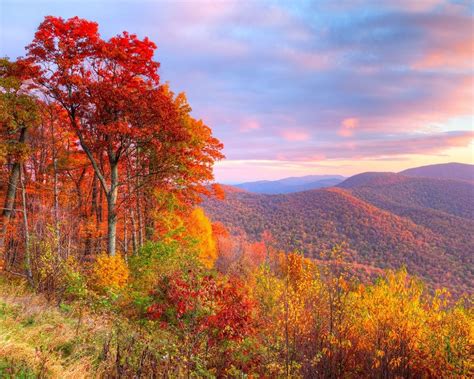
<point x="249" y="125"/>
<point x="348" y="126"/>
<point x="295" y="135"/>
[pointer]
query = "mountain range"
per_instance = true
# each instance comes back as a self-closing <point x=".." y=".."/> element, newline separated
<point x="421" y="218"/>
<point x="453" y="171"/>
<point x="292" y="184"/>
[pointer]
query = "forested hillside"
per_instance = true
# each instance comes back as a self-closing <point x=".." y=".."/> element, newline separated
<point x="453" y="171"/>
<point x="442" y="206"/>
<point x="448" y="196"/>
<point x="387" y="220"/>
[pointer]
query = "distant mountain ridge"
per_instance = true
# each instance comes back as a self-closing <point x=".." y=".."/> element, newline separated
<point x="291" y="184"/>
<point x="453" y="171"/>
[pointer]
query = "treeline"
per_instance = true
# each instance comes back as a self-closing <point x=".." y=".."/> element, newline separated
<point x="94" y="150"/>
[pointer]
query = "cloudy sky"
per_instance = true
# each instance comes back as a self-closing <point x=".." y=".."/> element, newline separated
<point x="302" y="87"/>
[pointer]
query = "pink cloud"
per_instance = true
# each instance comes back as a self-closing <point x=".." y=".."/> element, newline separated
<point x="419" y="144"/>
<point x="348" y="126"/>
<point x="307" y="60"/>
<point x="204" y="12"/>
<point x="416" y="5"/>
<point x="401" y="111"/>
<point x="249" y="125"/>
<point x="458" y="56"/>
<point x="295" y="135"/>
<point x="449" y="42"/>
<point x="422" y="144"/>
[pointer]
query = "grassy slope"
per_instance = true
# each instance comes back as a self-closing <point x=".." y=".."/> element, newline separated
<point x="38" y="339"/>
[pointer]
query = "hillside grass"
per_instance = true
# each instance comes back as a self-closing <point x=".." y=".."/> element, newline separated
<point x="41" y="339"/>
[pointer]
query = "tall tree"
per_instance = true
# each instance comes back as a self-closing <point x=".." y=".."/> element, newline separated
<point x="18" y="112"/>
<point x="118" y="109"/>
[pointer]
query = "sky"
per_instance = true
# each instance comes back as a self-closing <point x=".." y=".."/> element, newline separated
<point x="301" y="87"/>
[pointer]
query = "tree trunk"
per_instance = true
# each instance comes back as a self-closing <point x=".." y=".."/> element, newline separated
<point x="29" y="273"/>
<point x="111" y="192"/>
<point x="149" y="223"/>
<point x="132" y="215"/>
<point x="90" y="247"/>
<point x="125" y="238"/>
<point x="56" y="196"/>
<point x="140" y="221"/>
<point x="10" y="196"/>
<point x="134" y="232"/>
<point x="111" y="227"/>
<point x="111" y="211"/>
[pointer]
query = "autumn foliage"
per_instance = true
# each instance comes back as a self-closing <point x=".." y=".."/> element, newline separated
<point x="291" y="317"/>
<point x="110" y="272"/>
<point x="199" y="227"/>
<point x="388" y="221"/>
<point x="102" y="168"/>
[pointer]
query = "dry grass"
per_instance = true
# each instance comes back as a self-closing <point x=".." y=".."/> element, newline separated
<point x="38" y="339"/>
